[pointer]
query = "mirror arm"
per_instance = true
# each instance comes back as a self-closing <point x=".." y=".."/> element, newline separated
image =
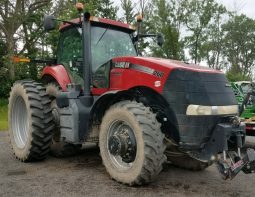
<point x="147" y="35"/>
<point x="136" y="38"/>
<point x="69" y="22"/>
<point x="41" y="61"/>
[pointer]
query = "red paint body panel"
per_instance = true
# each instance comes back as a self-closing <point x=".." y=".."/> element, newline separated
<point x="127" y="78"/>
<point x="156" y="63"/>
<point x="124" y="79"/>
<point x="99" y="91"/>
<point x="59" y="73"/>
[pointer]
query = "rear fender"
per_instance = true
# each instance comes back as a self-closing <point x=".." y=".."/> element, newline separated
<point x="58" y="73"/>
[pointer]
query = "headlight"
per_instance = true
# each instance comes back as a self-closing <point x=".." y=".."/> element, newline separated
<point x="200" y="110"/>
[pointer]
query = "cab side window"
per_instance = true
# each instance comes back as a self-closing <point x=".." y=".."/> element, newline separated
<point x="70" y="51"/>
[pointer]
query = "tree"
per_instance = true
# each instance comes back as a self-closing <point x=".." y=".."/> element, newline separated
<point x="131" y="10"/>
<point x="198" y="14"/>
<point x="169" y="25"/>
<point x="239" y="47"/>
<point x="106" y="9"/>
<point x="12" y="15"/>
<point x="212" y="49"/>
<point x="129" y="13"/>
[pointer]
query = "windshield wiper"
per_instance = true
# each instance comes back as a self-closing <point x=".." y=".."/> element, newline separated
<point x="102" y="35"/>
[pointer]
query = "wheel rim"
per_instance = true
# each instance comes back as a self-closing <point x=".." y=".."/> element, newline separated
<point x="20" y="122"/>
<point x="121" y="144"/>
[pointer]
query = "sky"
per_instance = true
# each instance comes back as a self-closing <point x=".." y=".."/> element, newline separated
<point x="241" y="6"/>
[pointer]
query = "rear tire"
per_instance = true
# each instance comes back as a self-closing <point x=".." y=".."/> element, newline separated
<point x="131" y="143"/>
<point x="30" y="120"/>
<point x="59" y="148"/>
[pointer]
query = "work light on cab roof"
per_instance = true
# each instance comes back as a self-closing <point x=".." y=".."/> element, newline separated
<point x="139" y="18"/>
<point x="79" y="7"/>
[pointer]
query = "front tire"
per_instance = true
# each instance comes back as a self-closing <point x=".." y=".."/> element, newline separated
<point x="30" y="120"/>
<point x="131" y="143"/>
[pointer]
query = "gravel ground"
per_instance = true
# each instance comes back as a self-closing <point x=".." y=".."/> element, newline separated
<point x="84" y="175"/>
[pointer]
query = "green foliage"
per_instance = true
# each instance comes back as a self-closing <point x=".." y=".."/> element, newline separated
<point x="198" y="14"/>
<point x="4" y="78"/>
<point x="3" y="114"/>
<point x="101" y="8"/>
<point x="5" y="86"/>
<point x="105" y="9"/>
<point x="239" y="47"/>
<point x="162" y="21"/>
<point x="212" y="46"/>
<point x="129" y="13"/>
<point x="232" y="76"/>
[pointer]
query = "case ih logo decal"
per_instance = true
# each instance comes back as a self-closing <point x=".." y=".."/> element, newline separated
<point x="121" y="64"/>
<point x="140" y="68"/>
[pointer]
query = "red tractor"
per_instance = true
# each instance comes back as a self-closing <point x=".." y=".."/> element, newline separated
<point x="140" y="110"/>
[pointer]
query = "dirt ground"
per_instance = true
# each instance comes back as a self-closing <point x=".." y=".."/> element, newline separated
<point x="84" y="175"/>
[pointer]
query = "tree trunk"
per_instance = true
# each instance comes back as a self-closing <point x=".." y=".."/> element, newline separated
<point x="10" y="52"/>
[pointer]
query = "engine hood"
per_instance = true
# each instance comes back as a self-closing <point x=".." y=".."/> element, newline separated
<point x="166" y="64"/>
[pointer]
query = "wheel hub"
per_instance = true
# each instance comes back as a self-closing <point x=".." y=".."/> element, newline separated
<point x="122" y="143"/>
<point x="118" y="145"/>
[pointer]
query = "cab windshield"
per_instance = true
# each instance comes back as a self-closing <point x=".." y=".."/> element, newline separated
<point x="106" y="43"/>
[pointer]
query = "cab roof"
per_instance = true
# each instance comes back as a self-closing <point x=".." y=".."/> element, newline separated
<point x="101" y="21"/>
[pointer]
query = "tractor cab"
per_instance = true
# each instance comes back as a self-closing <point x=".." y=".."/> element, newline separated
<point x="109" y="39"/>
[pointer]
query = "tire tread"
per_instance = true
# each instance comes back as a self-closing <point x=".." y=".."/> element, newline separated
<point x="42" y="123"/>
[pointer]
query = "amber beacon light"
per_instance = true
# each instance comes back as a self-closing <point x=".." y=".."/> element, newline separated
<point x="139" y="18"/>
<point x="79" y="7"/>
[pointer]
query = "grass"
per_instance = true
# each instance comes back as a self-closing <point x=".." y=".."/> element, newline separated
<point x="3" y="114"/>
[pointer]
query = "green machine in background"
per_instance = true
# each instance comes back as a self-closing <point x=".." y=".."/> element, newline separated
<point x="245" y="95"/>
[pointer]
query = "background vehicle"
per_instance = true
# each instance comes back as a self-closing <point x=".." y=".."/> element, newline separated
<point x="245" y="95"/>
<point x="139" y="109"/>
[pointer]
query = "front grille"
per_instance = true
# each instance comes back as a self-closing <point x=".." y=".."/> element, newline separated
<point x="184" y="87"/>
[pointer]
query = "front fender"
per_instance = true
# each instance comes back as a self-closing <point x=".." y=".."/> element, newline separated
<point x="102" y="102"/>
<point x="59" y="73"/>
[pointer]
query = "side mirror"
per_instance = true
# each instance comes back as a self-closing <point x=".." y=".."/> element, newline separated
<point x="160" y="39"/>
<point x="49" y="23"/>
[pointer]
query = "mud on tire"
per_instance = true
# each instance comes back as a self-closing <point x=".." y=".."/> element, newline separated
<point x="58" y="147"/>
<point x="30" y="120"/>
<point x="149" y="157"/>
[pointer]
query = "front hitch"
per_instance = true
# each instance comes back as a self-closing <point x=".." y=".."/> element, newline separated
<point x="226" y="141"/>
<point x="237" y="164"/>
